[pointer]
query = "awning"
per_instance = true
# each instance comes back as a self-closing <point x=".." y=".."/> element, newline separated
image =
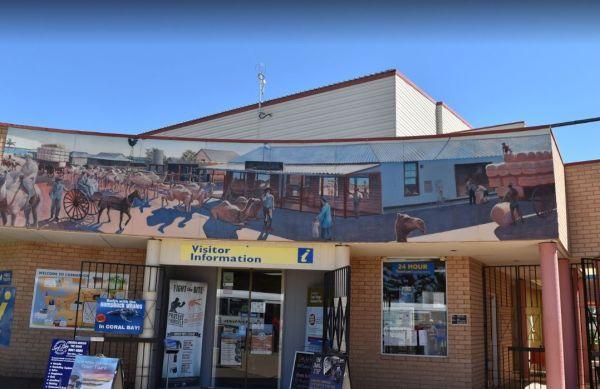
<point x="315" y="170"/>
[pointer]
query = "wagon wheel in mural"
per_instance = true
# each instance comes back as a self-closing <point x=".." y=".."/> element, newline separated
<point x="76" y="205"/>
<point x="543" y="200"/>
<point x="93" y="211"/>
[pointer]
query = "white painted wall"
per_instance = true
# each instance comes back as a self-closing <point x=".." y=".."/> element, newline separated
<point x="415" y="113"/>
<point x="451" y="122"/>
<point x="392" y="178"/>
<point x="362" y="110"/>
<point x="561" y="196"/>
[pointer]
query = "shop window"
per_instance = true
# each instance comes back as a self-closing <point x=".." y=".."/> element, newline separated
<point x="329" y="187"/>
<point x="414" y="309"/>
<point x="362" y="183"/>
<point x="411" y="179"/>
<point x="263" y="181"/>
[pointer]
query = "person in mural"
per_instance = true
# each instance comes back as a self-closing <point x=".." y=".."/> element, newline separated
<point x="512" y="197"/>
<point x="357" y="198"/>
<point x="56" y="195"/>
<point x="471" y="188"/>
<point x="325" y="219"/>
<point x="268" y="203"/>
<point x="484" y="193"/>
<point x="29" y="172"/>
<point x="85" y="184"/>
<point x="506" y="149"/>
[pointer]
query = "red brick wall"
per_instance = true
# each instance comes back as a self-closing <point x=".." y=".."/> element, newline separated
<point x="464" y="365"/>
<point x="583" y="208"/>
<point x="28" y="351"/>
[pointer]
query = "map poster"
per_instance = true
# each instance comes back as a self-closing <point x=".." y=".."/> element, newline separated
<point x="185" y="328"/>
<point x="7" y="308"/>
<point x="60" y="362"/>
<point x="55" y="294"/>
<point x="115" y="316"/>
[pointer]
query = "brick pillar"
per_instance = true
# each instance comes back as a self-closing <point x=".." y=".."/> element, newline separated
<point x="552" y="316"/>
<point x="568" y="321"/>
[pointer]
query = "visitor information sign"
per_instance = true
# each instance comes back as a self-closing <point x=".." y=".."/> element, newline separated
<point x="60" y="362"/>
<point x="116" y="316"/>
<point x="185" y="327"/>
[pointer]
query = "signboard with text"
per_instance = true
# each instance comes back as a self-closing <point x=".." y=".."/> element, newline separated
<point x="60" y="362"/>
<point x="116" y="316"/>
<point x="7" y="308"/>
<point x="244" y="255"/>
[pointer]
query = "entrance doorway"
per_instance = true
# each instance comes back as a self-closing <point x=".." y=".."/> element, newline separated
<point x="247" y="332"/>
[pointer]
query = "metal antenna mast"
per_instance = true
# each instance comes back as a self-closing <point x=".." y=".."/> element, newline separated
<point x="261" y="68"/>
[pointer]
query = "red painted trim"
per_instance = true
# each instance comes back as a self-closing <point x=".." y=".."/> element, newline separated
<point x="281" y="141"/>
<point x="588" y="162"/>
<point x="295" y="96"/>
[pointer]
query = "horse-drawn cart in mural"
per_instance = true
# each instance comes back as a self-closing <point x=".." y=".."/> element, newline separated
<point x="82" y="200"/>
<point x="530" y="174"/>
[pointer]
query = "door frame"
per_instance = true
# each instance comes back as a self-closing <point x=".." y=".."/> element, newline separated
<point x="247" y="341"/>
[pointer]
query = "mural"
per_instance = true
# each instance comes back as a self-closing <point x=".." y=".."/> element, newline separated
<point x="481" y="187"/>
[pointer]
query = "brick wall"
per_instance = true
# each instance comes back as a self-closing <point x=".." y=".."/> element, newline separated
<point x="464" y="365"/>
<point x="583" y="208"/>
<point x="28" y="351"/>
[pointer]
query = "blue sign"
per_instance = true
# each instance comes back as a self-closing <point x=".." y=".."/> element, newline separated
<point x="305" y="255"/>
<point x="94" y="372"/>
<point x="7" y="307"/>
<point x="60" y="362"/>
<point x="116" y="316"/>
<point x="5" y="277"/>
<point x="327" y="371"/>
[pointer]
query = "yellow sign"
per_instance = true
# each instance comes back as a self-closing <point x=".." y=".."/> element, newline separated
<point x="215" y="254"/>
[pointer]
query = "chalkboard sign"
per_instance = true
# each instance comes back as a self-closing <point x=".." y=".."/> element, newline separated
<point x="328" y="371"/>
<point x="303" y="362"/>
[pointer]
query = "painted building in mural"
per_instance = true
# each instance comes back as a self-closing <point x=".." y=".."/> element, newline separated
<point x="362" y="219"/>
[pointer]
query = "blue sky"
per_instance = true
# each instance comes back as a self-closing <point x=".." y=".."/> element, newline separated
<point x="140" y="68"/>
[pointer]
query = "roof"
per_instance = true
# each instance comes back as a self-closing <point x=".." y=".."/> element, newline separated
<point x="396" y="151"/>
<point x="219" y="155"/>
<point x="299" y="95"/>
<point x="110" y="157"/>
<point x="328" y="170"/>
<point x="80" y="154"/>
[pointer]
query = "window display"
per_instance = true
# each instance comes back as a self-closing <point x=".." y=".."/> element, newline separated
<point x="414" y="317"/>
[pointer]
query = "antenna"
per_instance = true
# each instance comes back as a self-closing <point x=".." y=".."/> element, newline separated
<point x="261" y="69"/>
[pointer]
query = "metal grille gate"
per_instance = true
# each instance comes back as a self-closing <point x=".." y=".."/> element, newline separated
<point x="336" y="300"/>
<point x="589" y="279"/>
<point x="141" y="356"/>
<point x="514" y="352"/>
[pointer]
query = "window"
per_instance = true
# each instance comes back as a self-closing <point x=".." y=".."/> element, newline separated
<point x="414" y="310"/>
<point x="362" y="184"/>
<point x="411" y="179"/>
<point x="329" y="186"/>
<point x="263" y="181"/>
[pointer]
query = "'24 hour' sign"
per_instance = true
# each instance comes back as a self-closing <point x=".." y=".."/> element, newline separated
<point x="116" y="316"/>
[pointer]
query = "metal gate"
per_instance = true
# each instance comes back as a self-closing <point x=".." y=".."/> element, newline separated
<point x="336" y="300"/>
<point x="589" y="279"/>
<point x="141" y="356"/>
<point x="514" y="351"/>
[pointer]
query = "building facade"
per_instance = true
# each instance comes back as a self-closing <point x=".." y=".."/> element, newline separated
<point x="362" y="219"/>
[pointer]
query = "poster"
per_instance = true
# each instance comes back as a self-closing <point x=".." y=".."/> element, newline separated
<point x="262" y="339"/>
<point x="303" y="362"/>
<point x="185" y="327"/>
<point x="313" y="340"/>
<point x="115" y="316"/>
<point x="6" y="277"/>
<point x="55" y="294"/>
<point x="60" y="362"/>
<point x="7" y="307"/>
<point x="327" y="371"/>
<point x="232" y="339"/>
<point x="93" y="372"/>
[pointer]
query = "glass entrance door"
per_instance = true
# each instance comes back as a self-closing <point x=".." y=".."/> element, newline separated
<point x="247" y="335"/>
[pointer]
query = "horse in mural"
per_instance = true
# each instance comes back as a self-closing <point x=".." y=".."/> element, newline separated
<point x="121" y="204"/>
<point x="14" y="199"/>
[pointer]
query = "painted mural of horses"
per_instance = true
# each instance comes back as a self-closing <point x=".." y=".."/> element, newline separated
<point x="121" y="204"/>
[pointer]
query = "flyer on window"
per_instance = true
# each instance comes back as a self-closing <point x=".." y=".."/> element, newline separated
<point x="55" y="292"/>
<point x="185" y="327"/>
